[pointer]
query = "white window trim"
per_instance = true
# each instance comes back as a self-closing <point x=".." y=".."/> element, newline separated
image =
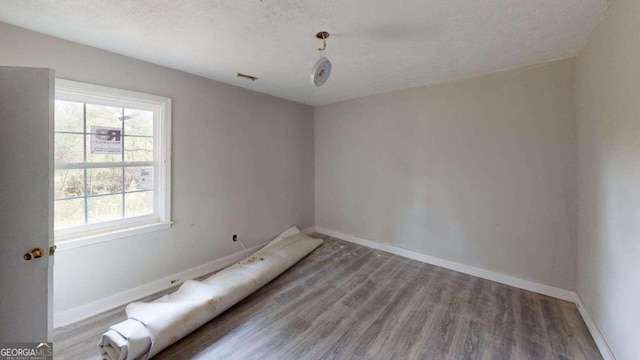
<point x="102" y="95"/>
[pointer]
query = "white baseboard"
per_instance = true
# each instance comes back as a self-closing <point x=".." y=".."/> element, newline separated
<point x="452" y="265"/>
<point x="606" y="352"/>
<point x="484" y="274"/>
<point x="70" y="316"/>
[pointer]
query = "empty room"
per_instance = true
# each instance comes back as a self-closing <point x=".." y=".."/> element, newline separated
<point x="271" y="179"/>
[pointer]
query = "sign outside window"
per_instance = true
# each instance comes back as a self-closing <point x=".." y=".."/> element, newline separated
<point x="106" y="140"/>
<point x="146" y="178"/>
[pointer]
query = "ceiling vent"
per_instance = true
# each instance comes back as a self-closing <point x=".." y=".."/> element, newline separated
<point x="247" y="77"/>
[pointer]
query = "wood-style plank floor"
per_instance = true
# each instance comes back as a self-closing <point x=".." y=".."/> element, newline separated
<point x="346" y="301"/>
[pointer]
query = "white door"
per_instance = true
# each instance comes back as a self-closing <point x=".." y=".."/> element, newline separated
<point x="26" y="204"/>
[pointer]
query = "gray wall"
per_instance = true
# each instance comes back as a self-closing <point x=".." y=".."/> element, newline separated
<point x="608" y="118"/>
<point x="479" y="171"/>
<point x="242" y="163"/>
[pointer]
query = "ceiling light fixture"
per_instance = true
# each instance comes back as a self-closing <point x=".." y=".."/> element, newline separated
<point x="322" y="68"/>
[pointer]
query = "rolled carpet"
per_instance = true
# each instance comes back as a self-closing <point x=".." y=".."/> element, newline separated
<point x="153" y="326"/>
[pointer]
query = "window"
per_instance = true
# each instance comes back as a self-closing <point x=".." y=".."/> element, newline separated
<point x="112" y="162"/>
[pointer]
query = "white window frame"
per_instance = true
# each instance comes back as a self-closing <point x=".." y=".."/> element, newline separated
<point x="83" y="235"/>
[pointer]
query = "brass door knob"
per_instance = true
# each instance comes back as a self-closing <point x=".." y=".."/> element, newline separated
<point x="35" y="253"/>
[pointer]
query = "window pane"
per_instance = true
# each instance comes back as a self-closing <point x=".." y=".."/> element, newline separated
<point x="69" y="183"/>
<point x="104" y="208"/>
<point x="138" y="178"/>
<point x="138" y="148"/>
<point x="139" y="203"/>
<point x="100" y="157"/>
<point x="68" y="148"/>
<point x="105" y="159"/>
<point x="69" y="116"/>
<point x="138" y="122"/>
<point x="104" y="180"/>
<point x="68" y="213"/>
<point x="107" y="116"/>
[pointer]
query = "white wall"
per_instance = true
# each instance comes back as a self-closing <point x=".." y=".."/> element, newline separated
<point x="479" y="171"/>
<point x="608" y="118"/>
<point x="242" y="163"/>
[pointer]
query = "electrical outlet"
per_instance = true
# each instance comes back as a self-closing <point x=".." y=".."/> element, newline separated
<point x="235" y="237"/>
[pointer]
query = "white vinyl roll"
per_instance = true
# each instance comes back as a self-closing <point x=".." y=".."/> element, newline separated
<point x="152" y="327"/>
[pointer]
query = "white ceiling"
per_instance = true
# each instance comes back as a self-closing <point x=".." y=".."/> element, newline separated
<point x="375" y="46"/>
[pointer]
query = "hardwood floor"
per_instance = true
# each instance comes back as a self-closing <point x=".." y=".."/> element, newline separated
<point x="346" y="301"/>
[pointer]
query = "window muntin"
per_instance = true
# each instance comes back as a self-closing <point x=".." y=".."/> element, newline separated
<point x="113" y="187"/>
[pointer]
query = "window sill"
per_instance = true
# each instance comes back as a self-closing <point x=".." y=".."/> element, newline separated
<point x="87" y="240"/>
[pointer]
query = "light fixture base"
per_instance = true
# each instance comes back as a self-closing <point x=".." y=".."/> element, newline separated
<point x="322" y="35"/>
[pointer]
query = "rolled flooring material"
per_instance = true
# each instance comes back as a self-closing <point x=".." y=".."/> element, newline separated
<point x="153" y="326"/>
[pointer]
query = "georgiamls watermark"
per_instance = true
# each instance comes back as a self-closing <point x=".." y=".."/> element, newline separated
<point x="26" y="351"/>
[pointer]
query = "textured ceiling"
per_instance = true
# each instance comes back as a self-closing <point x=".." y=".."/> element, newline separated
<point x="375" y="46"/>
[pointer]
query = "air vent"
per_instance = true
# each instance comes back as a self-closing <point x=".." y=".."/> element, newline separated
<point x="248" y="77"/>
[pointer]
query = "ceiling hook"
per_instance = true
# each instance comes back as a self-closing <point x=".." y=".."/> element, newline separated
<point x="323" y="35"/>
